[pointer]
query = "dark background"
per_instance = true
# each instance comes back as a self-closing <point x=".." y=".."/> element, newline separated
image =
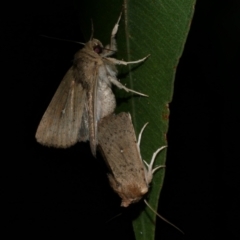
<point x="50" y="193"/>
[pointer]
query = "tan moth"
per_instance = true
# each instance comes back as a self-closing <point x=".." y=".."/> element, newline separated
<point x="121" y="150"/>
<point x="83" y="97"/>
<point x="128" y="176"/>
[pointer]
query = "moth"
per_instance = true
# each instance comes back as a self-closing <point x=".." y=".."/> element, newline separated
<point x="128" y="176"/>
<point x="84" y="96"/>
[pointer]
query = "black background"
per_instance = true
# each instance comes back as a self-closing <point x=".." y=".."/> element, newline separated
<point x="50" y="193"/>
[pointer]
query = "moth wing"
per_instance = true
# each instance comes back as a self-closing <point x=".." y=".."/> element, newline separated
<point x="84" y="130"/>
<point x="61" y="122"/>
<point x="118" y="143"/>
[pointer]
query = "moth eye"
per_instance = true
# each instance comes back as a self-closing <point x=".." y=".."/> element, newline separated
<point x="97" y="49"/>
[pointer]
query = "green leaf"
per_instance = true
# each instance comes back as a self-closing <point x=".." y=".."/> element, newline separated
<point x="159" y="28"/>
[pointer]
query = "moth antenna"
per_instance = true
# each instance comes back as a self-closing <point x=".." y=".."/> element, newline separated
<point x="164" y="219"/>
<point x="65" y="40"/>
<point x="113" y="218"/>
<point x="92" y="30"/>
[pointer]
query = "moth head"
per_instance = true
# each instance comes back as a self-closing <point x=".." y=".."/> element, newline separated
<point x="95" y="45"/>
<point x="129" y="192"/>
<point x="132" y="195"/>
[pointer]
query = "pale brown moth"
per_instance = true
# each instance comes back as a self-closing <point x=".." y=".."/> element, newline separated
<point x="83" y="97"/>
<point x="128" y="176"/>
<point x="121" y="151"/>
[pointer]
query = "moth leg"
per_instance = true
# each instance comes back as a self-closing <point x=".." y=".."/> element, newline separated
<point x="140" y="136"/>
<point x="120" y="86"/>
<point x="120" y="62"/>
<point x="150" y="171"/>
<point x="113" y="43"/>
<point x="111" y="48"/>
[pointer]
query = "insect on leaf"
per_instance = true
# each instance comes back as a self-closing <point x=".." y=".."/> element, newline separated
<point x="159" y="28"/>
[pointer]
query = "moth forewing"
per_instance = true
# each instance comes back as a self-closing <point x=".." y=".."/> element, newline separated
<point x="83" y="97"/>
<point x="121" y="150"/>
<point x="60" y="124"/>
<point x="118" y="143"/>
